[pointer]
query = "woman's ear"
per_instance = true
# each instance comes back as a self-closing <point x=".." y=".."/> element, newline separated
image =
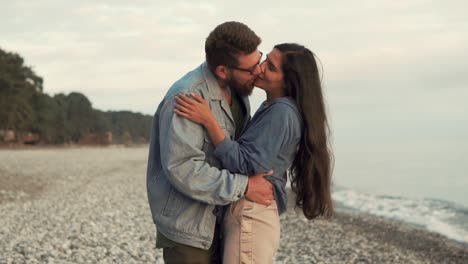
<point x="222" y="72"/>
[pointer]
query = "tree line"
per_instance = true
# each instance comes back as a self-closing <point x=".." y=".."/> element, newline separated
<point x="31" y="115"/>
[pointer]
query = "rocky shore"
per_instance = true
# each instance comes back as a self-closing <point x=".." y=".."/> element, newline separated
<point x="88" y="205"/>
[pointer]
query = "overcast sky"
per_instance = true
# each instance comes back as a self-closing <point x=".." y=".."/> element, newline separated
<point x="395" y="72"/>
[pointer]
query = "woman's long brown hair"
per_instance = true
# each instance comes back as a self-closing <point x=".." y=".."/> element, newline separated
<point x="311" y="170"/>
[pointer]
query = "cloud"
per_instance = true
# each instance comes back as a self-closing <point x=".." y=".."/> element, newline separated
<point x="372" y="52"/>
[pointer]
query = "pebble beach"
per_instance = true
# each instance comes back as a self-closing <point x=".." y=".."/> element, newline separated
<point x="89" y="205"/>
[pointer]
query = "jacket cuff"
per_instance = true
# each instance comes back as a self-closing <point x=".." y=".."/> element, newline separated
<point x="241" y="186"/>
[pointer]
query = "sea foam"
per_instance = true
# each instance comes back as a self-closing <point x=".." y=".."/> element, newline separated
<point x="443" y="217"/>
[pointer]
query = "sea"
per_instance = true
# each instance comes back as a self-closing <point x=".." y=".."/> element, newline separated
<point x="424" y="184"/>
<point x="412" y="171"/>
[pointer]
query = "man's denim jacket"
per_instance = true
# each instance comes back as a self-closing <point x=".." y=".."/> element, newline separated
<point x="184" y="179"/>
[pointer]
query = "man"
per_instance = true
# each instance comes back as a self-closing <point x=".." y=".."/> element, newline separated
<point x="186" y="183"/>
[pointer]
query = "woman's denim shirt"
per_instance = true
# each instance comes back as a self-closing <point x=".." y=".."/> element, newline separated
<point x="270" y="141"/>
<point x="185" y="181"/>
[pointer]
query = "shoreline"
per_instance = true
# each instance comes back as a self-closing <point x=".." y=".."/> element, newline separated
<point x="401" y="238"/>
<point x="354" y="237"/>
<point x="399" y="224"/>
<point x="405" y="236"/>
<point x="67" y="146"/>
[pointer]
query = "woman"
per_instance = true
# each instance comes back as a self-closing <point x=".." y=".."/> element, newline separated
<point x="288" y="132"/>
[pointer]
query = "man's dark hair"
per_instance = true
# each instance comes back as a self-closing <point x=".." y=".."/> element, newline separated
<point x="227" y="41"/>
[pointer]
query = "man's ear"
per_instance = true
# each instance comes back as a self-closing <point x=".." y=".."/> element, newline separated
<point x="222" y="72"/>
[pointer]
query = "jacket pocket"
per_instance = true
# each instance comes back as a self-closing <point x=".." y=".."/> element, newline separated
<point x="172" y="203"/>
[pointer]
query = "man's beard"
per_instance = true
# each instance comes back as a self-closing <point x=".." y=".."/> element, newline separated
<point x="239" y="88"/>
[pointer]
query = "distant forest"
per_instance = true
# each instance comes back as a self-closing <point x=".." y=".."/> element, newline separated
<point x="28" y="115"/>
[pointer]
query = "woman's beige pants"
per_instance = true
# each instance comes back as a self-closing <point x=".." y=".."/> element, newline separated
<point x="251" y="233"/>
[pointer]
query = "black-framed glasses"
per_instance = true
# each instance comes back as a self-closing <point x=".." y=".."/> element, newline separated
<point x="252" y="69"/>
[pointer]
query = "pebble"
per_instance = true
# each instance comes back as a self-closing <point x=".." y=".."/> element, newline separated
<point x="93" y="209"/>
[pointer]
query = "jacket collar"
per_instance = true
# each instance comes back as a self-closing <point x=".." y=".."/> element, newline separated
<point x="215" y="94"/>
<point x="213" y="86"/>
